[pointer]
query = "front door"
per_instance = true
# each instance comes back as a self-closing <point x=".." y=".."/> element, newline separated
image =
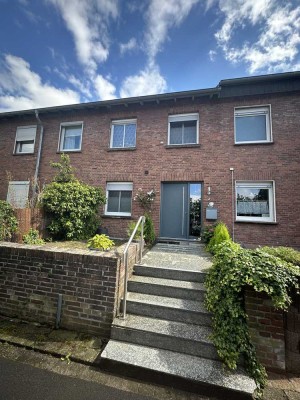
<point x="180" y="210"/>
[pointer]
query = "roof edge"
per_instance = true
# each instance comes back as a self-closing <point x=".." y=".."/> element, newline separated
<point x="116" y="102"/>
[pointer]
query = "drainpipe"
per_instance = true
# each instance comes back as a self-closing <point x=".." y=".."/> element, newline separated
<point x="233" y="201"/>
<point x="37" y="167"/>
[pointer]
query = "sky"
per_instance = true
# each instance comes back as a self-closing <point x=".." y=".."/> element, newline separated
<point x="56" y="52"/>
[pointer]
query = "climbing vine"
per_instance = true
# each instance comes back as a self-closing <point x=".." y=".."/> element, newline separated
<point x="233" y="269"/>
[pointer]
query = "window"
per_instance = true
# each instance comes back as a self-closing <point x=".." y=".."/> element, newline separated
<point x="25" y="139"/>
<point x="119" y="196"/>
<point x="183" y="129"/>
<point x="70" y="136"/>
<point x="123" y="134"/>
<point x="252" y="125"/>
<point x="255" y="201"/>
<point x="17" y="194"/>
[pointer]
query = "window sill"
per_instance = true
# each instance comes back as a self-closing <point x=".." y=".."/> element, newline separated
<point x="180" y="146"/>
<point x="23" y="154"/>
<point x="256" y="222"/>
<point x="116" y="216"/>
<point x="253" y="143"/>
<point x="121" y="149"/>
<point x="68" y="151"/>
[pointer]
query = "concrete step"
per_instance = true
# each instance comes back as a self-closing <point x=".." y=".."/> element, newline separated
<point x="167" y="287"/>
<point x="168" y="308"/>
<point x="169" y="273"/>
<point x="168" y="335"/>
<point x="184" y="371"/>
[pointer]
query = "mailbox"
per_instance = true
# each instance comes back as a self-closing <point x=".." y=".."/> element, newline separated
<point x="211" y="213"/>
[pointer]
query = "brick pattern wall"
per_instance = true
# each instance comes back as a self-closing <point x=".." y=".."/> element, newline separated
<point x="266" y="327"/>
<point x="292" y="334"/>
<point x="32" y="277"/>
<point x="152" y="162"/>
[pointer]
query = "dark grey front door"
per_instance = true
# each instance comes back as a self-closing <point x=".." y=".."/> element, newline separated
<point x="180" y="210"/>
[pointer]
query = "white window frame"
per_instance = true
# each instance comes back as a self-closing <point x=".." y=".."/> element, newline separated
<point x="20" y="141"/>
<point x="10" y="200"/>
<point x="62" y="136"/>
<point x="270" y="185"/>
<point x="121" y="186"/>
<point x="252" y="111"/>
<point x="122" y="122"/>
<point x="183" y="118"/>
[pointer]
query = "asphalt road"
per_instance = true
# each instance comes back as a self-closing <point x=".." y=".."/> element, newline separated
<point x="23" y="382"/>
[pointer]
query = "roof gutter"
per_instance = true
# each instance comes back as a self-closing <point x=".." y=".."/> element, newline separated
<point x="156" y="98"/>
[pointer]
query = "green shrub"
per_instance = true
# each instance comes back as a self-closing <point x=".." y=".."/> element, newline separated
<point x="8" y="221"/>
<point x="33" y="237"/>
<point x="71" y="205"/>
<point x="234" y="268"/>
<point x="100" y="242"/>
<point x="130" y="229"/>
<point x="285" y="253"/>
<point x="220" y="235"/>
<point x="149" y="232"/>
<point x="207" y="233"/>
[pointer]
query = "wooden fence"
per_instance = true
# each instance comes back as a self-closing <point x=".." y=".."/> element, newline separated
<point x="29" y="218"/>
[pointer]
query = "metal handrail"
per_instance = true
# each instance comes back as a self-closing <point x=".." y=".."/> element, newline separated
<point x="125" y="254"/>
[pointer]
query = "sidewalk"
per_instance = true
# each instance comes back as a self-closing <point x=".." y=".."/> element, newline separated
<point x="86" y="349"/>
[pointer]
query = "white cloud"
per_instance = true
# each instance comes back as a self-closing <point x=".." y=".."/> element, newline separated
<point x="277" y="46"/>
<point x="148" y="81"/>
<point x="87" y="21"/>
<point x="129" y="46"/>
<point x="105" y="89"/>
<point x="21" y="88"/>
<point x="161" y="16"/>
<point x="212" y="55"/>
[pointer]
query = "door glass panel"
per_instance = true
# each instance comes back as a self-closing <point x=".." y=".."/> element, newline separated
<point x="195" y="209"/>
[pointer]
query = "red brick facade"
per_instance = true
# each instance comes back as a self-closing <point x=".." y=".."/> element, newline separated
<point x="153" y="162"/>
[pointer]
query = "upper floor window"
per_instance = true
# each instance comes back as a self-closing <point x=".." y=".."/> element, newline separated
<point x="17" y="194"/>
<point x="255" y="201"/>
<point x="183" y="129"/>
<point x="123" y="134"/>
<point x="253" y="125"/>
<point x="25" y="139"/>
<point x="70" y="136"/>
<point x="119" y="195"/>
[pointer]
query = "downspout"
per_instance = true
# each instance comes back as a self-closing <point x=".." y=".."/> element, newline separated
<point x="233" y="200"/>
<point x="37" y="167"/>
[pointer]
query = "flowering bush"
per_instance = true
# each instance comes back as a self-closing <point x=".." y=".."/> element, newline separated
<point x="145" y="199"/>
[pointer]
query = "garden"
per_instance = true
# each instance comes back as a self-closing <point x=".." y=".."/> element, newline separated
<point x="71" y="209"/>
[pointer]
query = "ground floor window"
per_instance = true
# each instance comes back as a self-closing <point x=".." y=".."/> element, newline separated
<point x="119" y="196"/>
<point x="255" y="201"/>
<point x="17" y="194"/>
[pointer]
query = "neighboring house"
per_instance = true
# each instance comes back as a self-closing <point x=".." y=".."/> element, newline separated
<point x="230" y="152"/>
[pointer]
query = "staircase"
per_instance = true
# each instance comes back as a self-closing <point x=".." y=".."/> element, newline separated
<point x="165" y="336"/>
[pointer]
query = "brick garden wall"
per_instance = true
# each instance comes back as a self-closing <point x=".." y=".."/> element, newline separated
<point x="267" y="330"/>
<point x="292" y="334"/>
<point x="32" y="277"/>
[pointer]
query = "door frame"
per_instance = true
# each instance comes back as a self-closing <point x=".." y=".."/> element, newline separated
<point x="188" y="208"/>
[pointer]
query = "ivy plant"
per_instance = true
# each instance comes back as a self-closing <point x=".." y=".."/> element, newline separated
<point x="233" y="269"/>
<point x="71" y="205"/>
<point x="8" y="221"/>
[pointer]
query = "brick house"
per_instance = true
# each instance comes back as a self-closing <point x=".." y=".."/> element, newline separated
<point x="229" y="152"/>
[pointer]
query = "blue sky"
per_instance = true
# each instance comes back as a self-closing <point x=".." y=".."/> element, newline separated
<point x="55" y="52"/>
